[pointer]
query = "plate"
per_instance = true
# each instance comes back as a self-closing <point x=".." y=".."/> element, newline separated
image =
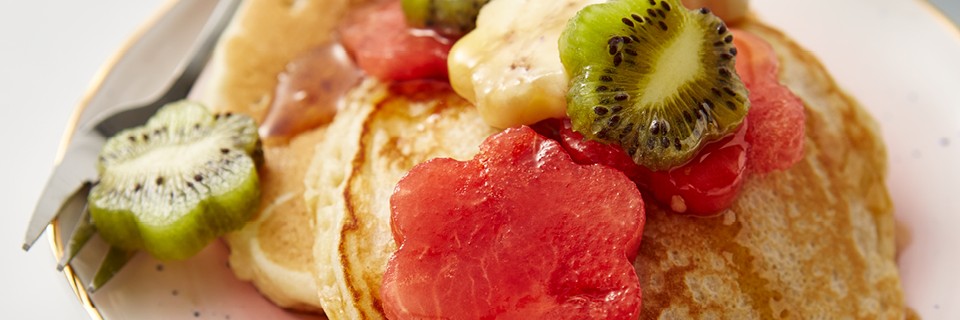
<point x="896" y="57"/>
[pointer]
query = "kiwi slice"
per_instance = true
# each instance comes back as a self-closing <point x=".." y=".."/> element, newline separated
<point x="452" y="18"/>
<point x="173" y="185"/>
<point x="652" y="76"/>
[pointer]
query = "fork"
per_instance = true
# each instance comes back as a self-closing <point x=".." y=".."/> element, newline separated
<point x="200" y="24"/>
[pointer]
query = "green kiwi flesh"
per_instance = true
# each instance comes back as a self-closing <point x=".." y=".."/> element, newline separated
<point x="452" y="18"/>
<point x="653" y="77"/>
<point x="183" y="179"/>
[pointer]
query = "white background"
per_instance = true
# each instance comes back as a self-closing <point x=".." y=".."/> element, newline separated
<point x="51" y="49"/>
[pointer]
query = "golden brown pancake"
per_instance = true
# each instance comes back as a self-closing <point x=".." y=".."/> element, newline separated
<point x="275" y="250"/>
<point x="354" y="174"/>
<point x="812" y="242"/>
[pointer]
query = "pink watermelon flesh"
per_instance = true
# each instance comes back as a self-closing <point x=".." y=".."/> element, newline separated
<point x="519" y="232"/>
<point x="776" y="116"/>
<point x="383" y="45"/>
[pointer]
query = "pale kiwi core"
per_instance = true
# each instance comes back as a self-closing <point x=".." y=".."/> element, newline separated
<point x="681" y="56"/>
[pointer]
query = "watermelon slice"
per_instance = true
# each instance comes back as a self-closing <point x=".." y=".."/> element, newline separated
<point x="776" y="115"/>
<point x="383" y="45"/>
<point x="519" y="232"/>
<point x="704" y="186"/>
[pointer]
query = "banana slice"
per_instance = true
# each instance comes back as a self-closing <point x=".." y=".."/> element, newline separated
<point x="509" y="66"/>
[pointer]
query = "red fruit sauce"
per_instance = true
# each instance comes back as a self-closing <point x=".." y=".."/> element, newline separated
<point x="704" y="186"/>
<point x="519" y="232"/>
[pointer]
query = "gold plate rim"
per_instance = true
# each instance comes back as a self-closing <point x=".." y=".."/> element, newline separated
<point x="54" y="236"/>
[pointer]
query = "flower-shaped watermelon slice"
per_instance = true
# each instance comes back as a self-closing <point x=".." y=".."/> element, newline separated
<point x="519" y="232"/>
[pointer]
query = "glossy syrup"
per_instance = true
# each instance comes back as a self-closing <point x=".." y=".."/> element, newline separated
<point x="309" y="90"/>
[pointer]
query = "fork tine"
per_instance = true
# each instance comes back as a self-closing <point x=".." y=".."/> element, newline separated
<point x="64" y="185"/>
<point x="81" y="233"/>
<point x="115" y="259"/>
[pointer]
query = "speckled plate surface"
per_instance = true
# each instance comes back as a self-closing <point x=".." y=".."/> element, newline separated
<point x="899" y="58"/>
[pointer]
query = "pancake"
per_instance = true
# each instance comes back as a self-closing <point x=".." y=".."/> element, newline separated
<point x="813" y="242"/>
<point x="354" y="174"/>
<point x="275" y="250"/>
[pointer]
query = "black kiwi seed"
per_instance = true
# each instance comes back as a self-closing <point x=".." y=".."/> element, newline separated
<point x="679" y="116"/>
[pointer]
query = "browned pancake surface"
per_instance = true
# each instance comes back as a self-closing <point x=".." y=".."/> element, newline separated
<point x="356" y="173"/>
<point x="815" y="241"/>
<point x="275" y="249"/>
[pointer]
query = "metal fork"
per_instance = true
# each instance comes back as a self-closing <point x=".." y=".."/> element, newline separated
<point x="173" y="52"/>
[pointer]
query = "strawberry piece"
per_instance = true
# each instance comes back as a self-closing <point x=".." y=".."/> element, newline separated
<point x="519" y="232"/>
<point x="776" y="115"/>
<point x="383" y="45"/>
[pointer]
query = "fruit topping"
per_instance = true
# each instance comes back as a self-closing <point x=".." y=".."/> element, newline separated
<point x="585" y="151"/>
<point x="384" y="46"/>
<point x="451" y="18"/>
<point x="707" y="184"/>
<point x="731" y="11"/>
<point x="519" y="232"/>
<point x="704" y="186"/>
<point x="777" y="118"/>
<point x="653" y="77"/>
<point x="173" y="185"/>
<point x="509" y="66"/>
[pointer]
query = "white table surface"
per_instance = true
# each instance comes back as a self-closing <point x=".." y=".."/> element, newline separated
<point x="49" y="51"/>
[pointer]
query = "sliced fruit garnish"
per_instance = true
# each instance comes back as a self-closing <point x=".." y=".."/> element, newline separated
<point x="174" y="184"/>
<point x="653" y="77"/>
<point x="452" y="18"/>
<point x="777" y="118"/>
<point x="707" y="184"/>
<point x="383" y="45"/>
<point x="519" y="232"/>
<point x="704" y="186"/>
<point x="509" y="66"/>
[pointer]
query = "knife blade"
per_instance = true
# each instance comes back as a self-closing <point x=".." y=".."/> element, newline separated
<point x="144" y="72"/>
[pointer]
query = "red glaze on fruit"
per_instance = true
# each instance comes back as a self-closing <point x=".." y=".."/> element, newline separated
<point x="704" y="186"/>
<point x="382" y="44"/>
<point x="776" y="116"/>
<point x="584" y="151"/>
<point x="519" y="232"/>
<point x="707" y="184"/>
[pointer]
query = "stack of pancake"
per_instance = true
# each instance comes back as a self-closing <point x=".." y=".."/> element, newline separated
<point x="814" y="241"/>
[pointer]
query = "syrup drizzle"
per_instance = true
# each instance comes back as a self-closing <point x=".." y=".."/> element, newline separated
<point x="308" y="91"/>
